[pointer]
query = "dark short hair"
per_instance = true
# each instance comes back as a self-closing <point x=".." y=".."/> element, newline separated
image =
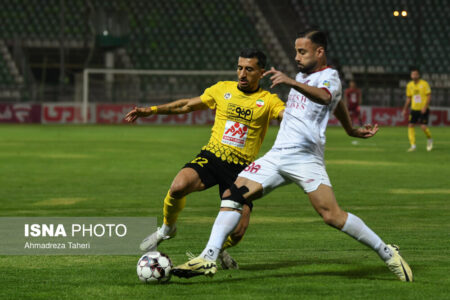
<point x="316" y="36"/>
<point x="414" y="69"/>
<point x="252" y="53"/>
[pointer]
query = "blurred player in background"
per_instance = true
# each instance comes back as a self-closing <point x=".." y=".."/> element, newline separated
<point x="418" y="94"/>
<point x="352" y="99"/>
<point x="243" y="113"/>
<point x="298" y="156"/>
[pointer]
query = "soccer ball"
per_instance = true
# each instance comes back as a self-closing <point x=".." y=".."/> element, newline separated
<point x="154" y="267"/>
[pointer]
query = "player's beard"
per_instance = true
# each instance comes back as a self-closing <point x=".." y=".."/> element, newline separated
<point x="307" y="69"/>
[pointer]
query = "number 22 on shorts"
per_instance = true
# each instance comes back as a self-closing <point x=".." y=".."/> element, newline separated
<point x="201" y="161"/>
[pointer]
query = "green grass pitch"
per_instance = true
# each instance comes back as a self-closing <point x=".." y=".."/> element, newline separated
<point x="288" y="253"/>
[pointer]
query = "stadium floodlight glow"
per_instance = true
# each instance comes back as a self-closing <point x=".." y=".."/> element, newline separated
<point x="396" y="13"/>
<point x="404" y="13"/>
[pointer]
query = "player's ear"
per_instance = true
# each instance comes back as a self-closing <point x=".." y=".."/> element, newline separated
<point x="262" y="73"/>
<point x="320" y="51"/>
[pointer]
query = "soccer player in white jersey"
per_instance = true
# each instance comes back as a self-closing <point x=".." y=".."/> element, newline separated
<point x="298" y="156"/>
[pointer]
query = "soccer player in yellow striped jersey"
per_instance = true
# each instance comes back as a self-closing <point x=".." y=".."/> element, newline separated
<point x="418" y="95"/>
<point x="243" y="112"/>
<point x="241" y="120"/>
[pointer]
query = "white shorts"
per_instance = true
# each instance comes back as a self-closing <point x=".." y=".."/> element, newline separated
<point x="281" y="167"/>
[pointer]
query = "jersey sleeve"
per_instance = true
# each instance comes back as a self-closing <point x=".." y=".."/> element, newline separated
<point x="408" y="90"/>
<point x="277" y="106"/>
<point x="208" y="96"/>
<point x="332" y="84"/>
<point x="427" y="88"/>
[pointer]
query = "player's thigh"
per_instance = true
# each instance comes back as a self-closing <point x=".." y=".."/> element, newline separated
<point x="309" y="175"/>
<point x="323" y="199"/>
<point x="261" y="176"/>
<point x="414" y="116"/>
<point x="186" y="182"/>
<point x="423" y="120"/>
<point x="255" y="189"/>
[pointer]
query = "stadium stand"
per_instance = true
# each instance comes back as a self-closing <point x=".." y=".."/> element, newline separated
<point x="374" y="46"/>
<point x="366" y="33"/>
<point x="164" y="34"/>
<point x="167" y="37"/>
<point x="172" y="34"/>
<point x="366" y="39"/>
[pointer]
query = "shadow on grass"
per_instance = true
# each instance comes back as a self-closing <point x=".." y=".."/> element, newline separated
<point x="369" y="273"/>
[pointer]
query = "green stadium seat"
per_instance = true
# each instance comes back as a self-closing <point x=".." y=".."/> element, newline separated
<point x="366" y="30"/>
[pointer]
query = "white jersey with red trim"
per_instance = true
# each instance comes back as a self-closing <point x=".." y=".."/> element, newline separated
<point x="304" y="121"/>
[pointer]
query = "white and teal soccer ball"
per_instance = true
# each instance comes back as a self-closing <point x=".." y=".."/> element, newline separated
<point x="154" y="267"/>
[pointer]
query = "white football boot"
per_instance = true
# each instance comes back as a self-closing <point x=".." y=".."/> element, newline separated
<point x="412" y="148"/>
<point x="196" y="266"/>
<point x="429" y="144"/>
<point x="398" y="265"/>
<point x="156" y="238"/>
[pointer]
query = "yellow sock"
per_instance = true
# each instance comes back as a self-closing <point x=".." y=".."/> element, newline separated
<point x="231" y="242"/>
<point x="172" y="208"/>
<point x="428" y="133"/>
<point x="412" y="135"/>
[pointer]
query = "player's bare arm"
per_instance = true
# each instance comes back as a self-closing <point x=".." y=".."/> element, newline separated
<point x="345" y="99"/>
<point x="405" y="107"/>
<point x="364" y="132"/>
<point x="181" y="106"/>
<point x="315" y="94"/>
<point x="427" y="104"/>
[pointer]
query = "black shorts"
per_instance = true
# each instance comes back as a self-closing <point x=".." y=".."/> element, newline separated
<point x="212" y="170"/>
<point x="416" y="116"/>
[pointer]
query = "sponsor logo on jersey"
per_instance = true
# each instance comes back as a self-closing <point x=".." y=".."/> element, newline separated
<point x="227" y="96"/>
<point x="259" y="102"/>
<point x="297" y="101"/>
<point x="238" y="113"/>
<point x="235" y="134"/>
<point x="326" y="83"/>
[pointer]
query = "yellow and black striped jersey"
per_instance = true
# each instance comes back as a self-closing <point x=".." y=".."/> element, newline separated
<point x="241" y="120"/>
<point x="418" y="93"/>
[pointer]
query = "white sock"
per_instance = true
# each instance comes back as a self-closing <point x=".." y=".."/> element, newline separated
<point x="225" y="223"/>
<point x="165" y="229"/>
<point x="357" y="229"/>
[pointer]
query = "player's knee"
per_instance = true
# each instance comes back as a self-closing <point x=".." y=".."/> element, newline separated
<point x="331" y="218"/>
<point x="233" y="198"/>
<point x="178" y="189"/>
<point x="424" y="127"/>
<point x="328" y="218"/>
<point x="334" y="218"/>
<point x="226" y="194"/>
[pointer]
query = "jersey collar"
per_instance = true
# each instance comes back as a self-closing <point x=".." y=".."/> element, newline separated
<point x="324" y="68"/>
<point x="246" y="92"/>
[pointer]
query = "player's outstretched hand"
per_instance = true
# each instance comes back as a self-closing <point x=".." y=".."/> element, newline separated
<point x="366" y="131"/>
<point x="278" y="77"/>
<point x="136" y="113"/>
